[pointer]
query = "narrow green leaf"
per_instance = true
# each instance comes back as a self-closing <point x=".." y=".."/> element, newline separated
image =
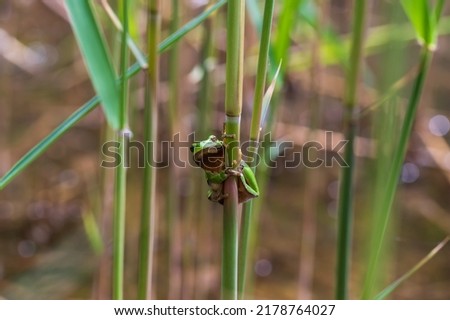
<point x="174" y="37"/>
<point x="418" y="12"/>
<point x="268" y="95"/>
<point x="37" y="150"/>
<point x="389" y="289"/>
<point x="96" y="57"/>
<point x="84" y="110"/>
<point x="282" y="39"/>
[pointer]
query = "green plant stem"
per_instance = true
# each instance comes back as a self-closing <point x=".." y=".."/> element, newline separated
<point x="199" y="213"/>
<point x="345" y="202"/>
<point x="119" y="223"/>
<point x="148" y="214"/>
<point x="396" y="166"/>
<point x="233" y="107"/>
<point x="230" y="241"/>
<point x="255" y="129"/>
<point x="172" y="208"/>
<point x="280" y="54"/>
<point x="121" y="173"/>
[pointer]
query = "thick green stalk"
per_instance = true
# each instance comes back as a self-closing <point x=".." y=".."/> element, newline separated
<point x="255" y="129"/>
<point x="396" y="166"/>
<point x="345" y="202"/>
<point x="148" y="214"/>
<point x="233" y="107"/>
<point x="121" y="176"/>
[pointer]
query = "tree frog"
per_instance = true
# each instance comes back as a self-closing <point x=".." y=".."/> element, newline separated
<point x="209" y="154"/>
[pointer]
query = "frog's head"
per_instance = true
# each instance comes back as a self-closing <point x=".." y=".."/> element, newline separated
<point x="212" y="142"/>
<point x="209" y="153"/>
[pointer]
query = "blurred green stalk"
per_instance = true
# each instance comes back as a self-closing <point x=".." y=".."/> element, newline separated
<point x="148" y="214"/>
<point x="391" y="183"/>
<point x="345" y="201"/>
<point x="247" y="217"/>
<point x="172" y="200"/>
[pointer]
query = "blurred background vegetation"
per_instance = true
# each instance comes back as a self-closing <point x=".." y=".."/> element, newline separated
<point x="55" y="217"/>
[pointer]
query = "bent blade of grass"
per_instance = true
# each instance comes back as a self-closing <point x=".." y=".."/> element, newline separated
<point x="389" y="289"/>
<point x="96" y="57"/>
<point x="84" y="110"/>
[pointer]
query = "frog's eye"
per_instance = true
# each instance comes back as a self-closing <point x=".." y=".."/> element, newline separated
<point x="213" y="138"/>
<point x="192" y="148"/>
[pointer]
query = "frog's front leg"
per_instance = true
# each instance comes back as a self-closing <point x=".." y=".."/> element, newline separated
<point x="233" y="172"/>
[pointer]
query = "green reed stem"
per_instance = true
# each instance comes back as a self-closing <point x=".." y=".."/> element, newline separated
<point x="233" y="107"/>
<point x="121" y="173"/>
<point x="255" y="129"/>
<point x="345" y="201"/>
<point x="148" y="214"/>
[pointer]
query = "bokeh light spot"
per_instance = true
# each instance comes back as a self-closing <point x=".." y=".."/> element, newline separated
<point x="410" y="172"/>
<point x="439" y="125"/>
<point x="263" y="268"/>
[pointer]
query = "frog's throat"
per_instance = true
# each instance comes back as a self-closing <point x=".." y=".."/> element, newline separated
<point x="211" y="159"/>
